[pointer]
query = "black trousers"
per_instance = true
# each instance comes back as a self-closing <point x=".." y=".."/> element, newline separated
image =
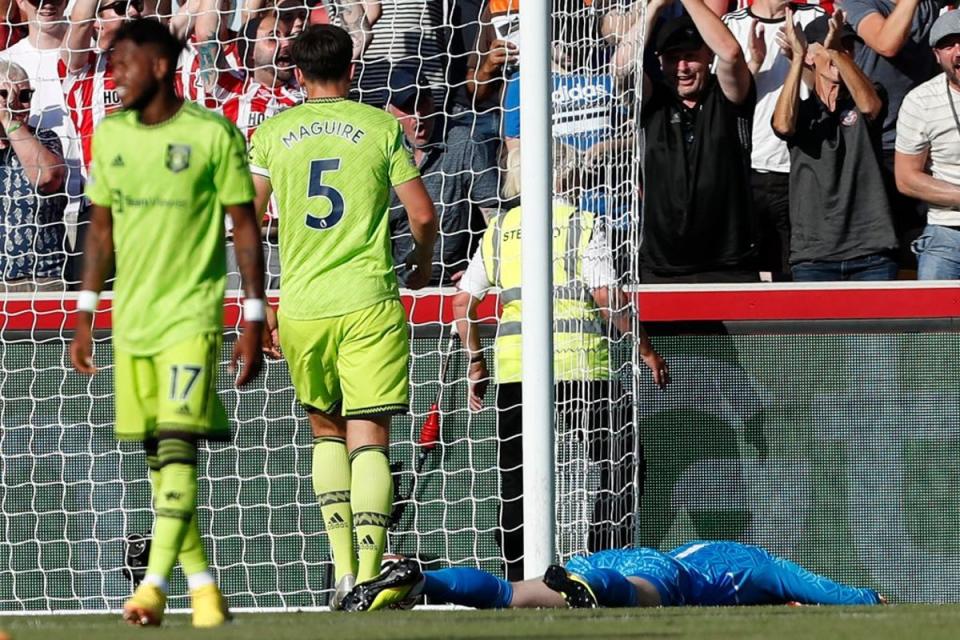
<point x="771" y="205"/>
<point x="909" y="215"/>
<point x="612" y="450"/>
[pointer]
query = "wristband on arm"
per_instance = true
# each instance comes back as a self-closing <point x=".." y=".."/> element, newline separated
<point x="88" y="300"/>
<point x="254" y="310"/>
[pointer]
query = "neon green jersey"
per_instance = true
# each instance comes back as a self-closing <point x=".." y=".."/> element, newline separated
<point x="331" y="163"/>
<point x="167" y="186"/>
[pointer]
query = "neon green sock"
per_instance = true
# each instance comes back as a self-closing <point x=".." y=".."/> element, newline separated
<point x="175" y="503"/>
<point x="192" y="557"/>
<point x="331" y="483"/>
<point x="371" y="500"/>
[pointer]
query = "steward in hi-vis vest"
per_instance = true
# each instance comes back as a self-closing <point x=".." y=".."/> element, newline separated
<point x="580" y="343"/>
<point x="586" y="302"/>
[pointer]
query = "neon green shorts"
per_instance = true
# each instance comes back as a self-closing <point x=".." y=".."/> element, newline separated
<point x="352" y="365"/>
<point x="174" y="390"/>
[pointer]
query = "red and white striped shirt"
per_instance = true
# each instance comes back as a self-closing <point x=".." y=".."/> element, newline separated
<point x="247" y="103"/>
<point x="91" y="95"/>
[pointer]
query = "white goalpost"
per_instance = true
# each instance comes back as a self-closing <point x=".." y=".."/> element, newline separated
<point x="536" y="185"/>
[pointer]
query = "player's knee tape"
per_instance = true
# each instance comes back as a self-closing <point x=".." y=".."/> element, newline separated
<point x="176" y="450"/>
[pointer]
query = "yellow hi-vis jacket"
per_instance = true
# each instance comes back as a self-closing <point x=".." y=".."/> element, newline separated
<point x="580" y="350"/>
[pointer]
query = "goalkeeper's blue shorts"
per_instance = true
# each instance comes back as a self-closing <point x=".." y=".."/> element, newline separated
<point x="657" y="568"/>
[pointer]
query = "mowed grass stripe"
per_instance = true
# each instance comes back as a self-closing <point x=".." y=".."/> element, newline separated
<point x="904" y="622"/>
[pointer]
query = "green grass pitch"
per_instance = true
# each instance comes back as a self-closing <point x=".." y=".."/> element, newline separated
<point x="904" y="622"/>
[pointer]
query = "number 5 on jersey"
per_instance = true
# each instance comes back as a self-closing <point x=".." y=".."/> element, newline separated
<point x="317" y="189"/>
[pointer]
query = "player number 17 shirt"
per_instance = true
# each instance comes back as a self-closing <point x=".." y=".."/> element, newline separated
<point x="167" y="186"/>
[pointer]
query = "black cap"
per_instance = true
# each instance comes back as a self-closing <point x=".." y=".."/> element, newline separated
<point x="816" y="31"/>
<point x="407" y="87"/>
<point x="678" y="34"/>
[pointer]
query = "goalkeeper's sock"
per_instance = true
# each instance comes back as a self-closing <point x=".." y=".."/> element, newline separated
<point x="331" y="484"/>
<point x="468" y="587"/>
<point x="175" y="505"/>
<point x="371" y="497"/>
<point x="610" y="587"/>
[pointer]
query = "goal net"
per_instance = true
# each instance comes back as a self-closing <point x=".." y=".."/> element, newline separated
<point x="70" y="494"/>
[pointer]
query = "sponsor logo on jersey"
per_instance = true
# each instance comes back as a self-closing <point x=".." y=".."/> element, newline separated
<point x="849" y="117"/>
<point x="111" y="98"/>
<point x="118" y="161"/>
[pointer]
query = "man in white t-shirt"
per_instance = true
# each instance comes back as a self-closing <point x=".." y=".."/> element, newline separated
<point x="756" y="27"/>
<point x="39" y="54"/>
<point x="928" y="154"/>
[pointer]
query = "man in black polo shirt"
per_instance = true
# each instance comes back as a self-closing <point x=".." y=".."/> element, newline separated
<point x="840" y="219"/>
<point x="698" y="219"/>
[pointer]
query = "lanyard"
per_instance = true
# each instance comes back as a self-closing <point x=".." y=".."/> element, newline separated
<point x="953" y="107"/>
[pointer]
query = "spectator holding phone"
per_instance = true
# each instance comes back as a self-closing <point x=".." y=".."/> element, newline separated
<point x="497" y="53"/>
<point x="38" y="54"/>
<point x="31" y="173"/>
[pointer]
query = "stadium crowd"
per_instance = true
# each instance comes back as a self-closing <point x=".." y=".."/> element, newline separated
<point x="781" y="141"/>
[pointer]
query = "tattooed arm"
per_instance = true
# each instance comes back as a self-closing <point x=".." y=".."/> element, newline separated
<point x="358" y="17"/>
<point x="210" y="31"/>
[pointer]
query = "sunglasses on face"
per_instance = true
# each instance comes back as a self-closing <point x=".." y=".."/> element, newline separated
<point x="25" y="95"/>
<point x="122" y="7"/>
<point x="55" y="3"/>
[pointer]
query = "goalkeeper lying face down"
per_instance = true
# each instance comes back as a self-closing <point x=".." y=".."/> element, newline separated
<point x="698" y="573"/>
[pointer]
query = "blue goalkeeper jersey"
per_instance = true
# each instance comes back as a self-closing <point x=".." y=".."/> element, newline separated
<point x="732" y="573"/>
<point x="721" y="574"/>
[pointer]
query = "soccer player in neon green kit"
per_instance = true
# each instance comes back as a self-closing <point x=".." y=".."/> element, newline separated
<point x="164" y="172"/>
<point x="331" y="163"/>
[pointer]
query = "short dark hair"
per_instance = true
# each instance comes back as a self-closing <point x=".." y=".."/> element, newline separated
<point x="323" y="52"/>
<point x="147" y="31"/>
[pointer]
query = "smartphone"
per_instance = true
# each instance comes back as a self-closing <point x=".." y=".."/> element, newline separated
<point x="507" y="28"/>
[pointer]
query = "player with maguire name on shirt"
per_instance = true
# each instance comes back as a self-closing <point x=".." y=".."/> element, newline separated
<point x="331" y="163"/>
<point x="164" y="173"/>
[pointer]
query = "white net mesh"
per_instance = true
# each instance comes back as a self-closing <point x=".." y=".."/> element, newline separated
<point x="70" y="494"/>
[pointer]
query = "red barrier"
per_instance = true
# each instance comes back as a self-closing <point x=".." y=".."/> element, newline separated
<point x="26" y="312"/>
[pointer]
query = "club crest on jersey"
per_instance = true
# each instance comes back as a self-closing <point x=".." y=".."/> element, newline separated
<point x="178" y="157"/>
